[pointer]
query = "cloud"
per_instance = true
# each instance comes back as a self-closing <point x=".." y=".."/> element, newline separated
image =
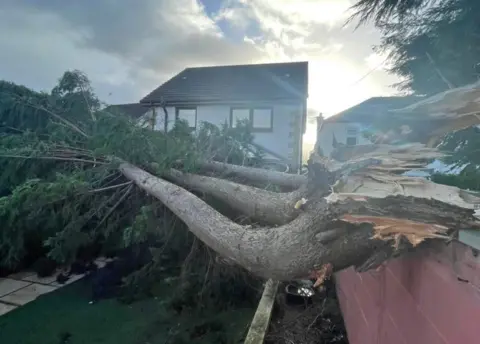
<point x="314" y="30"/>
<point x="126" y="49"/>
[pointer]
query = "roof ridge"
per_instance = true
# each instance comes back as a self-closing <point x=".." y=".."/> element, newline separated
<point x="249" y="65"/>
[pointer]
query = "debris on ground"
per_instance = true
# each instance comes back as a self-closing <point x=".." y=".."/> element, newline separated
<point x="315" y="319"/>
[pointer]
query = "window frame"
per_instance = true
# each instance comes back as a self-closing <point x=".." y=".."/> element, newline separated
<point x="233" y="108"/>
<point x="179" y="108"/>
<point x="251" y="110"/>
<point x="350" y="138"/>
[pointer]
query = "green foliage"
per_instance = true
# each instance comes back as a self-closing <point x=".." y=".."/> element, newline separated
<point x="464" y="149"/>
<point x="383" y="10"/>
<point x="60" y="191"/>
<point x="228" y="144"/>
<point x="61" y="194"/>
<point x="463" y="146"/>
<point x="435" y="49"/>
<point x="465" y="180"/>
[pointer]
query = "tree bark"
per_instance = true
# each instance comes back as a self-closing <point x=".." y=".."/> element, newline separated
<point x="256" y="175"/>
<point x="259" y="205"/>
<point x="337" y="232"/>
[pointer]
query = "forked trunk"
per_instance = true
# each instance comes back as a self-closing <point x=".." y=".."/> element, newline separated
<point x="325" y="232"/>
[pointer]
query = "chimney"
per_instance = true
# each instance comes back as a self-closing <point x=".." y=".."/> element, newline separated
<point x="320" y="120"/>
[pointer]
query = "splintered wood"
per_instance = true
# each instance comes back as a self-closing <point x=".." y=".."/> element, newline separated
<point x="381" y="185"/>
<point x="322" y="274"/>
<point x="387" y="228"/>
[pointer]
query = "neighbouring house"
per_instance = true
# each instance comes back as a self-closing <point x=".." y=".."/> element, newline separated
<point x="273" y="97"/>
<point x="347" y="127"/>
<point x="426" y="297"/>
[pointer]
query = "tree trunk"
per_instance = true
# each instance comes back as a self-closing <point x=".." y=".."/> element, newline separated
<point x="329" y="230"/>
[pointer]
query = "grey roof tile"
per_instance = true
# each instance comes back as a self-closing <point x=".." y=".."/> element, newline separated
<point x="241" y="82"/>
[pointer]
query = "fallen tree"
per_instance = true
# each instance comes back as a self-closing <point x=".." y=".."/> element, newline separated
<point x="356" y="213"/>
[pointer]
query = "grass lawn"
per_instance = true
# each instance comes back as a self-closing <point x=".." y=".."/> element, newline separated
<point x="47" y="320"/>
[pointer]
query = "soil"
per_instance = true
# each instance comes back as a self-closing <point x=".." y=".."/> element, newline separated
<point x="317" y="320"/>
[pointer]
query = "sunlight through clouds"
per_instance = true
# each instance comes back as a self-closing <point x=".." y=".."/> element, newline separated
<point x="150" y="42"/>
<point x="314" y="31"/>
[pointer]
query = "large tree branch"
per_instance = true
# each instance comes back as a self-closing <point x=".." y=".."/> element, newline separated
<point x="256" y="175"/>
<point x="259" y="205"/>
<point x="296" y="249"/>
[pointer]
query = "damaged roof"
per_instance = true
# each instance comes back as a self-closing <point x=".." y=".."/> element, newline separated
<point x="273" y="81"/>
<point x="369" y="110"/>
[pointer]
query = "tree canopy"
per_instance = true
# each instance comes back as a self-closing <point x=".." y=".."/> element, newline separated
<point x="63" y="196"/>
<point x="385" y="10"/>
<point x="434" y="50"/>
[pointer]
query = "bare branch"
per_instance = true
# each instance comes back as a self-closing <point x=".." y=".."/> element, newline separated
<point x="120" y="200"/>
<point x="111" y="187"/>
<point x="59" y="118"/>
<point x="54" y="158"/>
<point x="439" y="72"/>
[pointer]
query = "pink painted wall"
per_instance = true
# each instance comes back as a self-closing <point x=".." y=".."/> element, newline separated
<point x="414" y="300"/>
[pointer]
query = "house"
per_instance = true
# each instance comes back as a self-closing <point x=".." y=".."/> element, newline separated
<point x="348" y="127"/>
<point x="432" y="295"/>
<point x="273" y="97"/>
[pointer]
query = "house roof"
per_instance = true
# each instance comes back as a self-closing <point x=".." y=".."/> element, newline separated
<point x="271" y="81"/>
<point x="134" y="110"/>
<point x="369" y="110"/>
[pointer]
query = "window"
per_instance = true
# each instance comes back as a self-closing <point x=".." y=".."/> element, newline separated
<point x="351" y="141"/>
<point x="189" y="115"/>
<point x="261" y="119"/>
<point x="352" y="133"/>
<point x="239" y="115"/>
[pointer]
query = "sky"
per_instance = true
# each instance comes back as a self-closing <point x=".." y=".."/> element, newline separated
<point x="127" y="48"/>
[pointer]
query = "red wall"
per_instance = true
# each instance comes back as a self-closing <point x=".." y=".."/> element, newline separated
<point x="414" y="300"/>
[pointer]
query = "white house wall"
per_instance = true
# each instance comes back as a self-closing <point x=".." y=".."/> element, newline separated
<point x="284" y="140"/>
<point x="340" y="130"/>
